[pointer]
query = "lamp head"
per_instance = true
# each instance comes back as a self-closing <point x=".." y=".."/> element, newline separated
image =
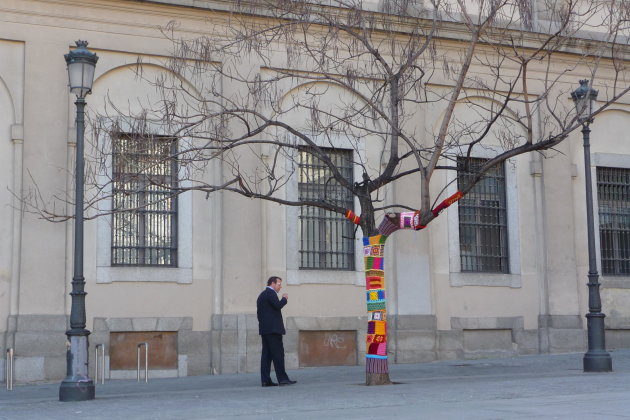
<point x="81" y="63"/>
<point x="584" y="98"/>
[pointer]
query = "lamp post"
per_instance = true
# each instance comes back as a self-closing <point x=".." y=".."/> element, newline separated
<point x="596" y="359"/>
<point x="77" y="386"/>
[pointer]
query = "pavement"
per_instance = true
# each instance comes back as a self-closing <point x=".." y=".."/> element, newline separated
<point x="524" y="387"/>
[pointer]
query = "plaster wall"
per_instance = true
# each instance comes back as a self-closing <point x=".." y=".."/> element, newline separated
<point x="608" y="149"/>
<point x="235" y="243"/>
<point x="8" y="116"/>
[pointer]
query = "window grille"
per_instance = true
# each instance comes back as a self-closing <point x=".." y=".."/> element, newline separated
<point x="326" y="238"/>
<point x="144" y="220"/>
<point x="613" y="196"/>
<point x="483" y="234"/>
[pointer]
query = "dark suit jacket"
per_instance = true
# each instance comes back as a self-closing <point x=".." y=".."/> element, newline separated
<point x="268" y="309"/>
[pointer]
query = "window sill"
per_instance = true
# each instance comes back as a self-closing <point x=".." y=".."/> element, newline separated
<point x="109" y="274"/>
<point x="615" y="282"/>
<point x="485" y="279"/>
<point x="311" y="276"/>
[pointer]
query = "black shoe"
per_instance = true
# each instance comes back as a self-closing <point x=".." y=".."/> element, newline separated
<point x="289" y="382"/>
<point x="270" y="383"/>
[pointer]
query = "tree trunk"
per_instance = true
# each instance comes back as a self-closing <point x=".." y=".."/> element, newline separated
<point x="376" y="363"/>
<point x="376" y="366"/>
<point x="377" y="379"/>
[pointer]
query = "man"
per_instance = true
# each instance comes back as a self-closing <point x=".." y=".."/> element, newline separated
<point x="271" y="330"/>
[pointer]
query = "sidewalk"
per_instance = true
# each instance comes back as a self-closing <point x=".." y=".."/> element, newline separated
<point x="526" y="387"/>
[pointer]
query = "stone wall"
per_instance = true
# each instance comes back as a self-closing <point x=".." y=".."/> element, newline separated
<point x="412" y="338"/>
<point x="193" y="347"/>
<point x="561" y="333"/>
<point x="233" y="344"/>
<point x="39" y="342"/>
<point x="617" y="333"/>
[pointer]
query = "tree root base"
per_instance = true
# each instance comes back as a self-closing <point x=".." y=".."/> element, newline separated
<point x="372" y="379"/>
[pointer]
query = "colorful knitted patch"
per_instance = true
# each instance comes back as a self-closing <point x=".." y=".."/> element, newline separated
<point x="376" y="316"/>
<point x="444" y="204"/>
<point x="406" y="220"/>
<point x="375" y="273"/>
<point x="373" y="250"/>
<point x="374" y="240"/>
<point x="376" y="295"/>
<point x="416" y="221"/>
<point x="387" y="226"/>
<point x="376" y="364"/>
<point x="379" y="349"/>
<point x="411" y="220"/>
<point x="378" y="306"/>
<point x="374" y="263"/>
<point x="377" y="250"/>
<point x="350" y="215"/>
<point x="375" y="339"/>
<point x="382" y="349"/>
<point x="380" y="327"/>
<point x="374" y="282"/>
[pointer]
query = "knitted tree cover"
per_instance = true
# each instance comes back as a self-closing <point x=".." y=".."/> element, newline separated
<point x="374" y="263"/>
<point x="376" y="339"/>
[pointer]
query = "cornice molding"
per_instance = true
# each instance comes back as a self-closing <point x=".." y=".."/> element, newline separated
<point x="583" y="43"/>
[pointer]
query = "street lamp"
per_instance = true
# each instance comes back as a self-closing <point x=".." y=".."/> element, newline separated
<point x="77" y="386"/>
<point x="596" y="359"/>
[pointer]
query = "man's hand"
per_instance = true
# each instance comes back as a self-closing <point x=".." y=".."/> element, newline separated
<point x="285" y="295"/>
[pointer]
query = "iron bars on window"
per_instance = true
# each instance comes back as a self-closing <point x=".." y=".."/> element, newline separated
<point x="483" y="234"/>
<point x="144" y="221"/>
<point x="613" y="196"/>
<point x="326" y="238"/>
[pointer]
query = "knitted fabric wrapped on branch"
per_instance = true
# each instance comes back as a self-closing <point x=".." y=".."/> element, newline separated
<point x="444" y="204"/>
<point x="410" y="220"/>
<point x="387" y="226"/>
<point x="350" y="215"/>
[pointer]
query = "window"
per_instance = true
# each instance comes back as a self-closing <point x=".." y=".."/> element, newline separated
<point x="613" y="195"/>
<point x="144" y="221"/>
<point x="483" y="236"/>
<point x="326" y="238"/>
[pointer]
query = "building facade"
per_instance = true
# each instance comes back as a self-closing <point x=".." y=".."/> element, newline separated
<point x="192" y="293"/>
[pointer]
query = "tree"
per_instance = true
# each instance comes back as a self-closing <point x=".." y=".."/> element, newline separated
<point x="277" y="81"/>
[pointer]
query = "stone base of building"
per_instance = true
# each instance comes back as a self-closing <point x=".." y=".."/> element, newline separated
<point x="39" y="344"/>
<point x="233" y="344"/>
<point x="412" y="339"/>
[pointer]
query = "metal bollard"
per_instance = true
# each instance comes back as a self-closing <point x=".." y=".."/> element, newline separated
<point x="96" y="359"/>
<point x="146" y="361"/>
<point x="9" y="369"/>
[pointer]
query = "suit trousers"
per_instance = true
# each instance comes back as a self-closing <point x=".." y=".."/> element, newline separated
<point x="272" y="351"/>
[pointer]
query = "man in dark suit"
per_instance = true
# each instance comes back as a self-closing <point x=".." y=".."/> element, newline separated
<point x="271" y="330"/>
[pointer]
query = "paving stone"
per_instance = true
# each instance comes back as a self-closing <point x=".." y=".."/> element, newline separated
<point x="524" y="387"/>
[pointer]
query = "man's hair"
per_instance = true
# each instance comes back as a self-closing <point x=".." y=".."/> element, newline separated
<point x="273" y="279"/>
